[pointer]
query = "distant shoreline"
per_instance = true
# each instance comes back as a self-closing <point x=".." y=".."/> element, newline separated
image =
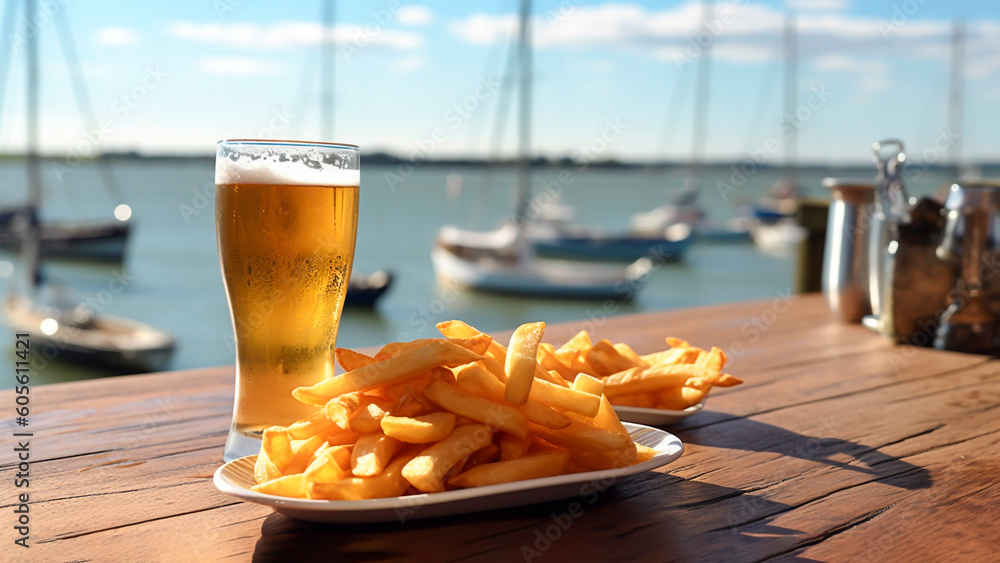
<point x="381" y="158"/>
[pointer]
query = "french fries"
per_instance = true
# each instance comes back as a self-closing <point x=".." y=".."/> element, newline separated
<point x="426" y="471"/>
<point x="406" y="365"/>
<point x="371" y="454"/>
<point x="473" y="407"/>
<point x="522" y="360"/>
<point x="673" y="379"/>
<point x="436" y="414"/>
<point x="422" y="429"/>
<point x="528" y="467"/>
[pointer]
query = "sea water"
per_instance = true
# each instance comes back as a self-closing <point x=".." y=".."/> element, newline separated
<point x="171" y="277"/>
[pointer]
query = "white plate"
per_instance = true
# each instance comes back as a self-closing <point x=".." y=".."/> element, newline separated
<point x="236" y="478"/>
<point x="657" y="417"/>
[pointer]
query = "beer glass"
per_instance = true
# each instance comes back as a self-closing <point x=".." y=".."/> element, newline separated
<point x="286" y="215"/>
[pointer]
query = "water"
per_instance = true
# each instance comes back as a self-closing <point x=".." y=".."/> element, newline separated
<point x="174" y="282"/>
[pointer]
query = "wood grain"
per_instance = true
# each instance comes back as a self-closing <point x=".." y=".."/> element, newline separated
<point x="838" y="447"/>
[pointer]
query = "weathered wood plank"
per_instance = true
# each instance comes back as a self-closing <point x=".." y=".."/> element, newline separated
<point x="836" y="441"/>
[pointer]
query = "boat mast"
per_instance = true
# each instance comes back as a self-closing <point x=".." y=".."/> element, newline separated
<point x="701" y="91"/>
<point x="956" y="96"/>
<point x="31" y="244"/>
<point x="326" y="71"/>
<point x="791" y="102"/>
<point x="524" y="112"/>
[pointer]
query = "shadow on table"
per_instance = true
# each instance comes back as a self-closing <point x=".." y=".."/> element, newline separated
<point x="647" y="517"/>
<point x="751" y="435"/>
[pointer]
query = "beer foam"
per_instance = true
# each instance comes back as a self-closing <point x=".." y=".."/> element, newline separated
<point x="267" y="171"/>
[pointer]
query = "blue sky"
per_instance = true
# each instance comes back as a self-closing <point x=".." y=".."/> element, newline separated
<point x="176" y="77"/>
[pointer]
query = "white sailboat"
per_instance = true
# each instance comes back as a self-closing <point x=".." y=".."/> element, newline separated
<point x="504" y="260"/>
<point x="775" y="229"/>
<point x="78" y="333"/>
<point x="682" y="205"/>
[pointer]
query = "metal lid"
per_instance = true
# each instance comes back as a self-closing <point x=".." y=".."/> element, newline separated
<point x="851" y="190"/>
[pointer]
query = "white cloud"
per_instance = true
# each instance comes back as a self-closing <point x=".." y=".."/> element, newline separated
<point x="818" y="5"/>
<point x="740" y="32"/>
<point x="841" y="63"/>
<point x="237" y="66"/>
<point x="484" y="29"/>
<point x="287" y="35"/>
<point x="118" y="37"/>
<point x="872" y="75"/>
<point x="408" y="64"/>
<point x="414" y="15"/>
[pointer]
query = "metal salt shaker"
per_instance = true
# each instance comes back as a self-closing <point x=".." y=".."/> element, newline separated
<point x="846" y="264"/>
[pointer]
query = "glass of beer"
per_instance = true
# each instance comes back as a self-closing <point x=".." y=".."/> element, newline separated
<point x="286" y="215"/>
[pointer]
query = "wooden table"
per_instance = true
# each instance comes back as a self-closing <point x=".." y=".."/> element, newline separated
<point x="838" y="447"/>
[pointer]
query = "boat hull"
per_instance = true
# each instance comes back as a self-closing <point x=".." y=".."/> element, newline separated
<point x="626" y="249"/>
<point x="541" y="279"/>
<point x="102" y="241"/>
<point x="782" y="237"/>
<point x="365" y="291"/>
<point x="113" y="343"/>
<point x="116" y="361"/>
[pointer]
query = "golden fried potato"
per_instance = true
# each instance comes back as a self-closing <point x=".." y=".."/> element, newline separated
<point x="419" y="429"/>
<point x="527" y="467"/>
<point x="522" y="360"/>
<point x="426" y="471"/>
<point x="474" y="407"/>
<point x="406" y="365"/>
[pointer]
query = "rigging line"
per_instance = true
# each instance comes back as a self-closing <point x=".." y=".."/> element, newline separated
<point x="667" y="134"/>
<point x="932" y="99"/>
<point x="524" y="111"/>
<point x="477" y="121"/>
<point x="791" y="100"/>
<point x="477" y="124"/>
<point x="760" y="105"/>
<point x="83" y="103"/>
<point x="326" y="71"/>
<point x="502" y="112"/>
<point x="31" y="246"/>
<point x="302" y="96"/>
<point x="956" y="96"/>
<point x="702" y="94"/>
<point x="9" y="17"/>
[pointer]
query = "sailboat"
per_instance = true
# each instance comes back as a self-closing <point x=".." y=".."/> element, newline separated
<point x="775" y="229"/>
<point x="682" y="206"/>
<point x="505" y="260"/>
<point x="77" y="332"/>
<point x="95" y="240"/>
<point x="363" y="290"/>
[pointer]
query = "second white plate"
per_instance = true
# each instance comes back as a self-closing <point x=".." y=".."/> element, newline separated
<point x="656" y="417"/>
<point x="236" y="478"/>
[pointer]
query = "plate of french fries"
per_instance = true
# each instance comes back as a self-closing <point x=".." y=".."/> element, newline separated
<point x="444" y="426"/>
<point x="658" y="388"/>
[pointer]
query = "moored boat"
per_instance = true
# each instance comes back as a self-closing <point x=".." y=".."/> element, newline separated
<point x="115" y="343"/>
<point x="502" y="262"/>
<point x="364" y="290"/>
